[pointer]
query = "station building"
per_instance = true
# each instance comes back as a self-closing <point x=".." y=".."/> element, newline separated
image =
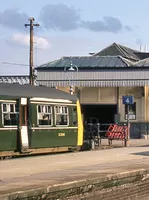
<point x="100" y="80"/>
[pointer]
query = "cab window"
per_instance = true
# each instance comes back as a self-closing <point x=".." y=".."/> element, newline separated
<point x="74" y="116"/>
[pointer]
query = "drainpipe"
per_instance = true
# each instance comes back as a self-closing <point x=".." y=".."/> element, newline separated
<point x="117" y="98"/>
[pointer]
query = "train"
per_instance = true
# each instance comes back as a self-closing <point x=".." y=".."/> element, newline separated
<point x="38" y="119"/>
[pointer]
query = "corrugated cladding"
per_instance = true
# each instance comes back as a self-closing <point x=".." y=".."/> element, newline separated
<point x="114" y="83"/>
<point x="94" y="78"/>
<point x="136" y="74"/>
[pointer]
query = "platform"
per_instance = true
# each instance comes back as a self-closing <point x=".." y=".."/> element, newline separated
<point x="30" y="173"/>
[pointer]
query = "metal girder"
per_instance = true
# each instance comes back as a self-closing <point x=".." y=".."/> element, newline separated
<point x="15" y="79"/>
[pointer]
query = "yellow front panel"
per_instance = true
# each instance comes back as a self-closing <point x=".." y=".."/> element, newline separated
<point x="80" y="125"/>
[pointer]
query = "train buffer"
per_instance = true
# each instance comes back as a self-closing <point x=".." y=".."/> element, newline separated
<point x="117" y="132"/>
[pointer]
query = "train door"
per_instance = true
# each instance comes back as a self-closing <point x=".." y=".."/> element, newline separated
<point x="23" y="123"/>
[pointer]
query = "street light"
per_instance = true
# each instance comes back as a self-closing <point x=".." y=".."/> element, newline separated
<point x="72" y="68"/>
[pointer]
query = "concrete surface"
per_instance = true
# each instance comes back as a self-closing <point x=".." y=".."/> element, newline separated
<point x="132" y="142"/>
<point x="36" y="171"/>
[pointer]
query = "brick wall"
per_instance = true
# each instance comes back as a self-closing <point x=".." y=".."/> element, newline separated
<point x="137" y="191"/>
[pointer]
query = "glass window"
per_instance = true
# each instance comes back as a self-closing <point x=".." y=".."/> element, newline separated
<point x="74" y="116"/>
<point x="44" y="115"/>
<point x="9" y="114"/>
<point x="61" y="113"/>
<point x="132" y="111"/>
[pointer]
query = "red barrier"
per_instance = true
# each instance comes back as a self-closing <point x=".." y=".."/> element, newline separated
<point x="117" y="132"/>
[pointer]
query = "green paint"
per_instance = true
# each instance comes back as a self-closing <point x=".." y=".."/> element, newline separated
<point x="39" y="138"/>
<point x="50" y="138"/>
<point x="8" y="140"/>
<point x="0" y="114"/>
<point x="33" y="119"/>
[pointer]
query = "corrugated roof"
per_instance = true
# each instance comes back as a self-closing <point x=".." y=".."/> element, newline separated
<point x="142" y="63"/>
<point x="142" y="55"/>
<point x="17" y="90"/>
<point x="117" y="49"/>
<point x="88" y="61"/>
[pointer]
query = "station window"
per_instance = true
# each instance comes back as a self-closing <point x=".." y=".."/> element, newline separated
<point x="44" y="115"/>
<point x="9" y="114"/>
<point x="61" y="113"/>
<point x="132" y="111"/>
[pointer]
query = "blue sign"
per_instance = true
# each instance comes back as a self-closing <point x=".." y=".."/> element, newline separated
<point x="128" y="100"/>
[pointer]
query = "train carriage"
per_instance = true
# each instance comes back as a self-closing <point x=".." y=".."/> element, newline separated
<point x="38" y="119"/>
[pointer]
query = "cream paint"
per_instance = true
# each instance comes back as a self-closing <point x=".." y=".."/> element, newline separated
<point x="50" y="100"/>
<point x="51" y="128"/>
<point x="52" y="103"/>
<point x="24" y="136"/>
<point x="8" y="101"/>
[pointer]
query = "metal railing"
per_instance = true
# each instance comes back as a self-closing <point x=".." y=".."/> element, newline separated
<point x="95" y="132"/>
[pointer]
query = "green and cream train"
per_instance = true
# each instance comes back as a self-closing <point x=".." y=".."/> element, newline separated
<point x="38" y="119"/>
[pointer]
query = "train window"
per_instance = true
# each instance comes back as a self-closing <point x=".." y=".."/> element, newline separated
<point x="9" y="114"/>
<point x="61" y="115"/>
<point x="24" y="115"/>
<point x="74" y="116"/>
<point x="44" y="115"/>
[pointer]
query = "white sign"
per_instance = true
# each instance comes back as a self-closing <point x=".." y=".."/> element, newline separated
<point x="131" y="117"/>
<point x="23" y="101"/>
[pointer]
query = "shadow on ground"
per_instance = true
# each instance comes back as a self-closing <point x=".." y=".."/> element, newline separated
<point x="145" y="153"/>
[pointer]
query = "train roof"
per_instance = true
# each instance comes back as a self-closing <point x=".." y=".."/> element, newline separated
<point x="17" y="90"/>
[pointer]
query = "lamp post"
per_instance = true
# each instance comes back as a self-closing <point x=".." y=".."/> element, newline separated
<point x="72" y="68"/>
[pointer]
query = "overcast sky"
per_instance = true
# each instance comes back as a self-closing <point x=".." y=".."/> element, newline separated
<point x="68" y="28"/>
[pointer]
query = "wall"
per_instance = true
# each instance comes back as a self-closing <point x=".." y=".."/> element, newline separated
<point x="137" y="92"/>
<point x="108" y="95"/>
<point x="97" y="95"/>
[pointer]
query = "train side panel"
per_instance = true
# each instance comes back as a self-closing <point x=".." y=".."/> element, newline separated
<point x="8" y="140"/>
<point x="53" y="138"/>
<point x="44" y="136"/>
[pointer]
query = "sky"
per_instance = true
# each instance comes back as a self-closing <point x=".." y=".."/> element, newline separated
<point x="68" y="28"/>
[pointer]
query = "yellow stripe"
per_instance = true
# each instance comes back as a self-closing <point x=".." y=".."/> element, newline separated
<point x="80" y="125"/>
